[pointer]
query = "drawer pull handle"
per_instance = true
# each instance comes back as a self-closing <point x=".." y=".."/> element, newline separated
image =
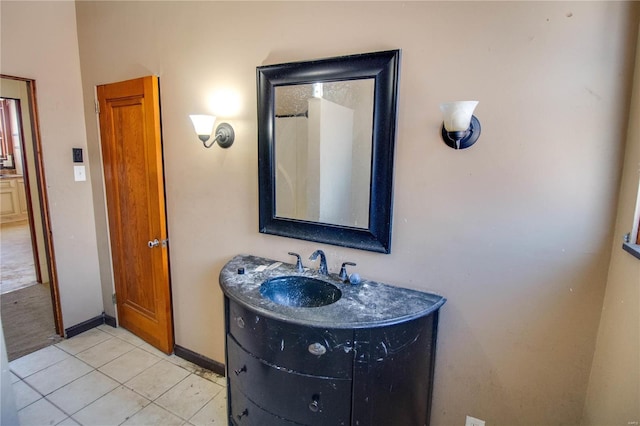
<point x="241" y="370"/>
<point x="317" y="349"/>
<point x="245" y="412"/>
<point x="240" y="322"/>
<point x="314" y="406"/>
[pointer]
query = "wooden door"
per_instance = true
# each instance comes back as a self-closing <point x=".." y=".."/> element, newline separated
<point x="133" y="171"/>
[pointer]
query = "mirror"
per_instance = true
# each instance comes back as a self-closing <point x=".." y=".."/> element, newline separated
<point x="326" y="136"/>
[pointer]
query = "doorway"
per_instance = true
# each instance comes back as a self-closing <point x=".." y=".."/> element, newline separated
<point x="30" y="308"/>
<point x="18" y="268"/>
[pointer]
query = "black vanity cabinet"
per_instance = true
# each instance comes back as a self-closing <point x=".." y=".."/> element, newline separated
<point x="296" y="373"/>
<point x="287" y="367"/>
<point x="285" y="374"/>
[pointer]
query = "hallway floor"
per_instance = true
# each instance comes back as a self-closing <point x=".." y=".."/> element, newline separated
<point x="17" y="269"/>
<point x="108" y="376"/>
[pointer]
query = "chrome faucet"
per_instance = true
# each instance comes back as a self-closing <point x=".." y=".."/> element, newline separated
<point x="322" y="270"/>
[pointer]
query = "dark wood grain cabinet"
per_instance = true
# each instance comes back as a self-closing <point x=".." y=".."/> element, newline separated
<point x="285" y="373"/>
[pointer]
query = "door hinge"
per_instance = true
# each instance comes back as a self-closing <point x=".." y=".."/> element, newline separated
<point x="97" y="106"/>
<point x="113" y="298"/>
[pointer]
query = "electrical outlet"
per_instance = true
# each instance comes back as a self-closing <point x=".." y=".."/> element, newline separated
<point x="472" y="421"/>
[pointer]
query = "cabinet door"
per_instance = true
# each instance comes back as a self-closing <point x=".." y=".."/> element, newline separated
<point x="307" y="350"/>
<point x="300" y="398"/>
<point x="8" y="197"/>
<point x="393" y="375"/>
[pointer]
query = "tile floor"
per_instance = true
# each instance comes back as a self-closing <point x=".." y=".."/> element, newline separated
<point x="108" y="376"/>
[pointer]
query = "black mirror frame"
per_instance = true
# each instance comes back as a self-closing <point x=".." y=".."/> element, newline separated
<point x="384" y="68"/>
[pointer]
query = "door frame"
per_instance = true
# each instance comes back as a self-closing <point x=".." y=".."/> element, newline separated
<point x="38" y="163"/>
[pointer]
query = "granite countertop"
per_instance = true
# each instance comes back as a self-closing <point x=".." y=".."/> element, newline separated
<point x="367" y="304"/>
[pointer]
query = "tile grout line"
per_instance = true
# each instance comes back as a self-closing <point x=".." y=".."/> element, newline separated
<point x="102" y="365"/>
<point x="69" y="416"/>
<point x="119" y="383"/>
<point x="45" y="397"/>
<point x="202" y="408"/>
<point x="48" y="400"/>
<point x="159" y="396"/>
<point x="57" y="362"/>
<point x="37" y="371"/>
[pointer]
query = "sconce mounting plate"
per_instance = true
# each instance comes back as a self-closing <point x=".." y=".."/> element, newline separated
<point x="225" y="135"/>
<point x="471" y="136"/>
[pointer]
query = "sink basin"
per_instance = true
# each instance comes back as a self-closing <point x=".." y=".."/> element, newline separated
<point x="302" y="292"/>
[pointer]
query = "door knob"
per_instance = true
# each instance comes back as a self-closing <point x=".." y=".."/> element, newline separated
<point x="156" y="243"/>
<point x="244" y="413"/>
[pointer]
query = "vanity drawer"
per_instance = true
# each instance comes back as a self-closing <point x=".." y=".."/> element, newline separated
<point x="246" y="413"/>
<point x="300" y="398"/>
<point x="307" y="350"/>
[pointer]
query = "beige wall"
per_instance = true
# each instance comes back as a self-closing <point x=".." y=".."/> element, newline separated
<point x="613" y="396"/>
<point x="516" y="231"/>
<point x="39" y="41"/>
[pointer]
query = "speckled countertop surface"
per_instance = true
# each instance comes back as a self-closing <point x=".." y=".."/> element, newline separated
<point x="367" y="304"/>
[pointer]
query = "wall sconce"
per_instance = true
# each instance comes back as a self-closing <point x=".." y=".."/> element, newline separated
<point x="460" y="128"/>
<point x="203" y="124"/>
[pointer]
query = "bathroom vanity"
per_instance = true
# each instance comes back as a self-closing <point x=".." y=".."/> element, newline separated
<point x="364" y="356"/>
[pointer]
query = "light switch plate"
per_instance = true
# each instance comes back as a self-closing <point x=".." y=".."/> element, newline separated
<point x="79" y="173"/>
<point x="472" y="421"/>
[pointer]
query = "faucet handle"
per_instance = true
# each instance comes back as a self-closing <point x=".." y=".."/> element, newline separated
<point x="299" y="266"/>
<point x="343" y="271"/>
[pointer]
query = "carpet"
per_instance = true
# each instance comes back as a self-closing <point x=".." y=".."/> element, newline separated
<point x="27" y="320"/>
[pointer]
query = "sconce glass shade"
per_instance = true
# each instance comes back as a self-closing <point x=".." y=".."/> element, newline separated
<point x="457" y="115"/>
<point x="203" y="124"/>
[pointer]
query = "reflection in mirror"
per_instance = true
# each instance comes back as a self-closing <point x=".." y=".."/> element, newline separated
<point x="326" y="136"/>
<point x="323" y="136"/>
<point x="8" y="132"/>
